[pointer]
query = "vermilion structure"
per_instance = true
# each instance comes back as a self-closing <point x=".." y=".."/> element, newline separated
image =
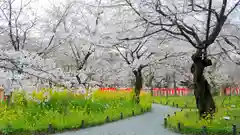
<point x="232" y="91"/>
<point x="171" y="91"/>
<point x="156" y="91"/>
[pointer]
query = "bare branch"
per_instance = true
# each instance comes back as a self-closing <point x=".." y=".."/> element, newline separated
<point x="206" y="9"/>
<point x="234" y="7"/>
<point x="64" y="14"/>
<point x="144" y="36"/>
<point x="208" y="18"/>
<point x="10" y="26"/>
<point x="219" y="25"/>
<point x="123" y="56"/>
<point x="225" y="52"/>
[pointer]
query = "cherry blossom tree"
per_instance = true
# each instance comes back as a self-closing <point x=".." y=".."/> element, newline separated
<point x="82" y="42"/>
<point x="21" y="67"/>
<point x="196" y="22"/>
<point x="139" y="55"/>
<point x="18" y="19"/>
<point x="25" y="69"/>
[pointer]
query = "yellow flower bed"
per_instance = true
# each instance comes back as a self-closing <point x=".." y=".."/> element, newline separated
<point x="65" y="110"/>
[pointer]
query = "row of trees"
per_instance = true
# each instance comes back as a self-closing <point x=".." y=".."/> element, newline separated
<point x="173" y="18"/>
<point x="120" y="42"/>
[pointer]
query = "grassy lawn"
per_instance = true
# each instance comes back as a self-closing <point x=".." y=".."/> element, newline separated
<point x="183" y="102"/>
<point x="190" y="122"/>
<point x="228" y="113"/>
<point x="189" y="101"/>
<point x="32" y="114"/>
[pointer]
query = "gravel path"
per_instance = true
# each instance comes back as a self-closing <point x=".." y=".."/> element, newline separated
<point x="146" y="124"/>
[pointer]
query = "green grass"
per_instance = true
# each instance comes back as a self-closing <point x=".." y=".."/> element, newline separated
<point x="189" y="118"/>
<point x="190" y="122"/>
<point x="183" y="102"/>
<point x="32" y="114"/>
<point x="189" y="101"/>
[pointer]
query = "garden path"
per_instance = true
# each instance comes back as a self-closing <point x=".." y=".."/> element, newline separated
<point x="150" y="123"/>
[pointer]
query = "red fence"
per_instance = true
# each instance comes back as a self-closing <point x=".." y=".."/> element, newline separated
<point x="171" y="91"/>
<point x="115" y="89"/>
<point x="232" y="91"/>
<point x="156" y="91"/>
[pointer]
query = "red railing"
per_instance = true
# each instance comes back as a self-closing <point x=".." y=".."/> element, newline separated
<point x="156" y="91"/>
<point x="115" y="89"/>
<point x="171" y="91"/>
<point x="232" y="91"/>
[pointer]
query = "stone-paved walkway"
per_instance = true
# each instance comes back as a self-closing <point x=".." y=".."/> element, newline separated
<point x="147" y="124"/>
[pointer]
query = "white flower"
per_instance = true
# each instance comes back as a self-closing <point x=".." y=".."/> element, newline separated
<point x="106" y="106"/>
<point x="226" y="118"/>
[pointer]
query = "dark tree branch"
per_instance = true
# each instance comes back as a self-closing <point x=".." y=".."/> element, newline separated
<point x="208" y="19"/>
<point x="64" y="14"/>
<point x="225" y="51"/>
<point x="144" y="36"/>
<point x="184" y="30"/>
<point x="219" y="25"/>
<point x="213" y="11"/>
<point x="11" y="27"/>
<point x="123" y="56"/>
<point x="234" y="7"/>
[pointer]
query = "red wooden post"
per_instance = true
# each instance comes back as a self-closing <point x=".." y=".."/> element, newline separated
<point x="172" y="91"/>
<point x="154" y="91"/>
<point x="227" y="91"/>
<point x="184" y="91"/>
<point x="236" y="91"/>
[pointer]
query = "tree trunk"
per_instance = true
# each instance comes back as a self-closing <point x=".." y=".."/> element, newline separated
<point x="204" y="99"/>
<point x="174" y="84"/>
<point x="149" y="83"/>
<point x="175" y="88"/>
<point x="8" y="99"/>
<point x="78" y="79"/>
<point x="138" y="85"/>
<point x="50" y="83"/>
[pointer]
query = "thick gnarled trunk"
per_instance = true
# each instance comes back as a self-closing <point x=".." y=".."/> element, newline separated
<point x="138" y="85"/>
<point x="204" y="99"/>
